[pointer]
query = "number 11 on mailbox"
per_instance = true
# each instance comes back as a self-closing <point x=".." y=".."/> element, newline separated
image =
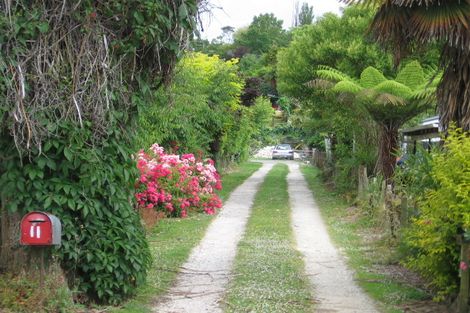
<point x="40" y="229"/>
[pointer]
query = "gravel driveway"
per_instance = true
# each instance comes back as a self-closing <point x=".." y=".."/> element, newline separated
<point x="203" y="278"/>
<point x="201" y="283"/>
<point x="333" y="283"/>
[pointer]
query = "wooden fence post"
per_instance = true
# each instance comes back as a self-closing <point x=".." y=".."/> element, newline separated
<point x="464" y="275"/>
<point x="362" y="181"/>
<point x="404" y="218"/>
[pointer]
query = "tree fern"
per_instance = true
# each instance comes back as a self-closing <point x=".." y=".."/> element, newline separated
<point x="389" y="102"/>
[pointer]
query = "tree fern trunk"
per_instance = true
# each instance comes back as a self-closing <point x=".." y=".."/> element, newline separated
<point x="387" y="150"/>
<point x="11" y="258"/>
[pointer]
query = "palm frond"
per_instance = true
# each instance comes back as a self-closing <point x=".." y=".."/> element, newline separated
<point x="448" y="21"/>
<point x="390" y="29"/>
<point x="371" y="77"/>
<point x="367" y="3"/>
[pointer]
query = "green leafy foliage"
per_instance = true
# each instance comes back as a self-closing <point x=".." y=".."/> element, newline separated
<point x="194" y="110"/>
<point x="334" y="42"/>
<point x="72" y="76"/>
<point x="443" y="213"/>
<point x="305" y="16"/>
<point x="89" y="188"/>
<point x="204" y="114"/>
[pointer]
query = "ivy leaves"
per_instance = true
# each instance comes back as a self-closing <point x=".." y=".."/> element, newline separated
<point x="89" y="188"/>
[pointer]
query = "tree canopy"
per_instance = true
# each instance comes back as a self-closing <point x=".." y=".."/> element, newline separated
<point x="264" y="32"/>
<point x="305" y="15"/>
<point x="334" y="41"/>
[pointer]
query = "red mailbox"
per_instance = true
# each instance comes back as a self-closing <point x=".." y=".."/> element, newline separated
<point x="40" y="229"/>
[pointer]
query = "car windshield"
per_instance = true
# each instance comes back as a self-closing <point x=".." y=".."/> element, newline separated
<point x="283" y="147"/>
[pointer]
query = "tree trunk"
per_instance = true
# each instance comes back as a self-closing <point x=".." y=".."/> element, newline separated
<point x="387" y="151"/>
<point x="362" y="180"/>
<point x="12" y="257"/>
<point x="453" y="93"/>
<point x="215" y="148"/>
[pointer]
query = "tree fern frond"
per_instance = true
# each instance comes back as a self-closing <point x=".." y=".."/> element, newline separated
<point x="389" y="99"/>
<point x="371" y="77"/>
<point x="411" y="75"/>
<point x="319" y="83"/>
<point x="347" y="86"/>
<point x="427" y="94"/>
<point x="331" y="74"/>
<point x="346" y="98"/>
<point x="430" y="70"/>
<point x="433" y="80"/>
<point x="394" y="88"/>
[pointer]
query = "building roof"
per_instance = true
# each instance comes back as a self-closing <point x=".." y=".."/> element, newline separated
<point x="429" y="128"/>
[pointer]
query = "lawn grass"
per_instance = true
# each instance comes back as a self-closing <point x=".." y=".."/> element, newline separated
<point x="171" y="242"/>
<point x="347" y="230"/>
<point x="268" y="270"/>
<point x="235" y="177"/>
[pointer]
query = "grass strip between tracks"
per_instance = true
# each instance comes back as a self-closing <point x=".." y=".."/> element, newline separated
<point x="268" y="271"/>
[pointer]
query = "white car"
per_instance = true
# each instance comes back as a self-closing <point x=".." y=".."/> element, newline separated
<point x="283" y="151"/>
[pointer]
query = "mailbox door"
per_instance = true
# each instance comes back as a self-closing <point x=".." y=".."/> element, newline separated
<point x="36" y="229"/>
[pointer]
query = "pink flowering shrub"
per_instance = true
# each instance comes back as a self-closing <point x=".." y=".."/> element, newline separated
<point x="176" y="184"/>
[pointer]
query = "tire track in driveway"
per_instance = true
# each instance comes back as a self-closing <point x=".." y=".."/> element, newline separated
<point x="203" y="278"/>
<point x="333" y="283"/>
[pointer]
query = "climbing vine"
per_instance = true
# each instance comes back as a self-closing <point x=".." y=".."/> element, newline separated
<point x="69" y="74"/>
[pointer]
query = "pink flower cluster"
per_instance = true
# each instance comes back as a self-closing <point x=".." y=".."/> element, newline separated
<point x="176" y="184"/>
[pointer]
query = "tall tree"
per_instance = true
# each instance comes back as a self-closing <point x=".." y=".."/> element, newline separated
<point x="403" y="24"/>
<point x="264" y="32"/>
<point x="227" y="34"/>
<point x="305" y="16"/>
